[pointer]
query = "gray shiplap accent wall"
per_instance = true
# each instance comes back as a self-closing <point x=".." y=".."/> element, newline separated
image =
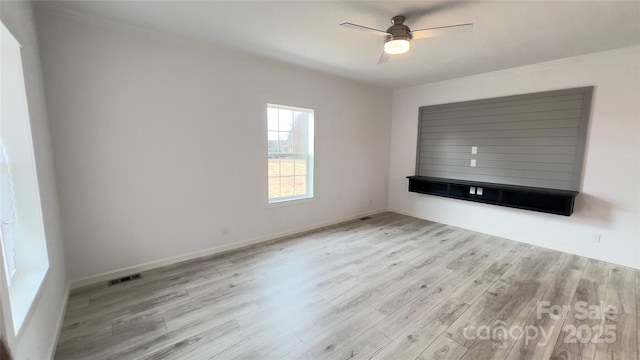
<point x="529" y="140"/>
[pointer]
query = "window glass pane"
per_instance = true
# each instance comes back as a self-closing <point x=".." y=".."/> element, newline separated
<point x="274" y="188"/>
<point x="285" y="118"/>
<point x="287" y="166"/>
<point x="287" y="186"/>
<point x="299" y="137"/>
<point x="300" y="120"/>
<point x="301" y="185"/>
<point x="274" y="167"/>
<point x="7" y="215"/>
<point x="300" y="117"/>
<point x="284" y="135"/>
<point x="272" y="141"/>
<point x="285" y="142"/>
<point x="272" y="119"/>
<point x="301" y="165"/>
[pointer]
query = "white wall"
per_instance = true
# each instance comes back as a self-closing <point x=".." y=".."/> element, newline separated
<point x="38" y="336"/>
<point x="160" y="142"/>
<point x="610" y="194"/>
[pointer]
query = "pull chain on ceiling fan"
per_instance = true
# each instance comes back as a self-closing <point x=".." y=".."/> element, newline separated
<point x="397" y="38"/>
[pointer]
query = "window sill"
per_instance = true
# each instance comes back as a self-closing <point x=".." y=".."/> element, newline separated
<point x="288" y="202"/>
<point x="22" y="294"/>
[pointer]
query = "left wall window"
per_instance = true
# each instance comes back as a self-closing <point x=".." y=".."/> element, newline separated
<point x="24" y="249"/>
<point x="7" y="216"/>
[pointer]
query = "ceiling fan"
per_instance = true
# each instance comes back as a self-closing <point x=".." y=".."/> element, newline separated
<point x="397" y="38"/>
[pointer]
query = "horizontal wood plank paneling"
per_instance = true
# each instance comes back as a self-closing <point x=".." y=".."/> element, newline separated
<point x="516" y="165"/>
<point x="482" y="170"/>
<point x="550" y="141"/>
<point x="528" y="117"/>
<point x="511" y="125"/>
<point x="511" y="110"/>
<point x="492" y="134"/>
<point x="529" y="140"/>
<point x="497" y="102"/>
<point x="502" y="157"/>
<point x="546" y="184"/>
<point x="511" y="149"/>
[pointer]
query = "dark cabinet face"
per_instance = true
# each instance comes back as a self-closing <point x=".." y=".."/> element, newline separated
<point x="551" y="201"/>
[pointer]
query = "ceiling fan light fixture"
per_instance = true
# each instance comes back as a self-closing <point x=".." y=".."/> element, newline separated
<point x="396" y="46"/>
<point x="397" y="38"/>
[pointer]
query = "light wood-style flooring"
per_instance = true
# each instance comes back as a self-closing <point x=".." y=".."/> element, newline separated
<point x="387" y="287"/>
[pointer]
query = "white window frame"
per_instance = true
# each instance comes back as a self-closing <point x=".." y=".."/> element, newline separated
<point x="19" y="287"/>
<point x="309" y="154"/>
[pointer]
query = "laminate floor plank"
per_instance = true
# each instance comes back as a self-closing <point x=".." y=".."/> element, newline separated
<point x="545" y="327"/>
<point x="624" y="342"/>
<point x="401" y="318"/>
<point x="567" y="345"/>
<point x="173" y="339"/>
<point x="400" y="270"/>
<point x="443" y="348"/>
<point x="465" y="329"/>
<point x="127" y="305"/>
<point x="325" y="345"/>
<point x="101" y="316"/>
<point x="618" y="340"/>
<point x="421" y="280"/>
<point x="263" y="340"/>
<point x="268" y="350"/>
<point x="515" y="313"/>
<point x="102" y="346"/>
<point x="200" y="346"/>
<point x="414" y="341"/>
<point x="341" y="312"/>
<point x="387" y="286"/>
<point x="363" y="347"/>
<point x="621" y="290"/>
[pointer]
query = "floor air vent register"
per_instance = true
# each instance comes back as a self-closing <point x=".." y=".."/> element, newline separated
<point x="124" y="279"/>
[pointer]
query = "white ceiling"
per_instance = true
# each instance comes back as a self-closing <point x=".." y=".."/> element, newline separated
<point x="306" y="33"/>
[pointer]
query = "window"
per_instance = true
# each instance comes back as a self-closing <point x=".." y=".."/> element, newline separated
<point x="24" y="249"/>
<point x="7" y="216"/>
<point x="290" y="153"/>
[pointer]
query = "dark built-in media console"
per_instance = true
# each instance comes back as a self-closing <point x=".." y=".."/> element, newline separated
<point x="550" y="201"/>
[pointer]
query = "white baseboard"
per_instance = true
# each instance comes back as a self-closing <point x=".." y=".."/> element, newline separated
<point x="211" y="251"/>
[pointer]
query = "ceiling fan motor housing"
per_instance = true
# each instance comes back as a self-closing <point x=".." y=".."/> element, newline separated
<point x="398" y="31"/>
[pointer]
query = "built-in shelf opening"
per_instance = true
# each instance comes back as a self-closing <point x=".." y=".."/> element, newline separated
<point x="551" y="201"/>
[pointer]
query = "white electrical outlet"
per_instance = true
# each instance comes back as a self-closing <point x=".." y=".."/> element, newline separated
<point x="597" y="238"/>
<point x="225" y="230"/>
<point x="473" y="162"/>
<point x="474" y="149"/>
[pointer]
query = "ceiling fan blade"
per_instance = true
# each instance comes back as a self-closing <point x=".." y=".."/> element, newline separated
<point x="384" y="57"/>
<point x="364" y="28"/>
<point x="433" y="7"/>
<point x="442" y="30"/>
